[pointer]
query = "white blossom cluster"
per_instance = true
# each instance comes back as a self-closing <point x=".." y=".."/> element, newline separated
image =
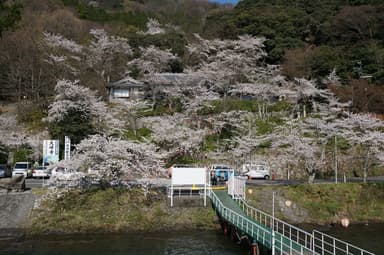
<point x="103" y="47"/>
<point x="9" y="135"/>
<point x="73" y="97"/>
<point x="215" y="69"/>
<point x="111" y="158"/>
<point x="175" y="132"/>
<point x="153" y="27"/>
<point x="152" y="60"/>
<point x="59" y="41"/>
<point x="98" y="55"/>
<point x="228" y="60"/>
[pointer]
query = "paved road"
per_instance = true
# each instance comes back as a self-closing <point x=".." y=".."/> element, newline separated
<point x="255" y="182"/>
<point x="38" y="183"/>
<point x="34" y="183"/>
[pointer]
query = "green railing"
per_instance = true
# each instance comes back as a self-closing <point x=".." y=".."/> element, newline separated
<point x="260" y="233"/>
<point x="297" y="236"/>
<point x="276" y="234"/>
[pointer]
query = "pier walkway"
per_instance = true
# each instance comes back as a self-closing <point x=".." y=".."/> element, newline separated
<point x="274" y="234"/>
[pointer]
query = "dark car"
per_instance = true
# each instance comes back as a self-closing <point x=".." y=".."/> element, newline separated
<point x="4" y="171"/>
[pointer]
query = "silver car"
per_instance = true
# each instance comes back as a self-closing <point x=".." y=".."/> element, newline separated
<point x="41" y="172"/>
<point x="256" y="171"/>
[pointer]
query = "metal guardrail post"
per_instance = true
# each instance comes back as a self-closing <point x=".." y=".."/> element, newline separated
<point x="322" y="243"/>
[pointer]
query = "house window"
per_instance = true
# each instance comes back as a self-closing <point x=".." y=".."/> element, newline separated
<point x="120" y="93"/>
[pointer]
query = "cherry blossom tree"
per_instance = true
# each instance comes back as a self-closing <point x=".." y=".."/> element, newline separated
<point x="174" y="133"/>
<point x="153" y="60"/>
<point x="106" y="55"/>
<point x="76" y="111"/>
<point x="227" y="61"/>
<point x="153" y="27"/>
<point x="110" y="158"/>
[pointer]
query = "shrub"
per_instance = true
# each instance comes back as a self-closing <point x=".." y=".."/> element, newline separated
<point x="22" y="154"/>
<point x="230" y="104"/>
<point x="138" y="134"/>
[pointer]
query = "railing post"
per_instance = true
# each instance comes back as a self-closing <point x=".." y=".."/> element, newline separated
<point x="313" y="243"/>
<point x="322" y="244"/>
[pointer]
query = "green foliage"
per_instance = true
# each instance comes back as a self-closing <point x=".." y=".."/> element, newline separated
<point x="3" y="154"/>
<point x="266" y="144"/>
<point x="115" y="210"/>
<point x="236" y="104"/>
<point x="266" y="126"/>
<point x="167" y="106"/>
<point x="32" y="116"/>
<point x="22" y="154"/>
<point x="333" y="34"/>
<point x="3" y="157"/>
<point x="280" y="106"/>
<point x="218" y="140"/>
<point x="137" y="135"/>
<point x="230" y="104"/>
<point x="357" y="201"/>
<point x="181" y="159"/>
<point x="75" y="125"/>
<point x="100" y="14"/>
<point x="173" y="40"/>
<point x="210" y="142"/>
<point x="263" y="127"/>
<point x="342" y="144"/>
<point x="9" y="15"/>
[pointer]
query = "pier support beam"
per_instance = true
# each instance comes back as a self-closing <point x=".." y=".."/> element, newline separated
<point x="255" y="249"/>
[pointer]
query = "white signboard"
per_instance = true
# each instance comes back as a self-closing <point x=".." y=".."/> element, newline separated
<point x="67" y="148"/>
<point x="189" y="176"/>
<point x="50" y="151"/>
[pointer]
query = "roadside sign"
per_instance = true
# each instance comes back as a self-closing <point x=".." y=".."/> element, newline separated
<point x="67" y="148"/>
<point x="50" y="151"/>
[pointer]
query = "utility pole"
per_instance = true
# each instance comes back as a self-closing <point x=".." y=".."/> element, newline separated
<point x="335" y="159"/>
<point x="273" y="223"/>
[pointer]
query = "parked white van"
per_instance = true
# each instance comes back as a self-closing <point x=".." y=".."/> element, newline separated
<point x="254" y="171"/>
<point x="22" y="168"/>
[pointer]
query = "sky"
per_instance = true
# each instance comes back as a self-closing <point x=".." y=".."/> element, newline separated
<point x="225" y="1"/>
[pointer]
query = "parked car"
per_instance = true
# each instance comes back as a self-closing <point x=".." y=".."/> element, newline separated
<point x="254" y="171"/>
<point x="22" y="168"/>
<point x="58" y="170"/>
<point x="4" y="171"/>
<point x="219" y="173"/>
<point x="41" y="172"/>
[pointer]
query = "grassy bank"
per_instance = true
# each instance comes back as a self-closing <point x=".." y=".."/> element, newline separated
<point x="322" y="203"/>
<point x="117" y="210"/>
<point x="123" y="210"/>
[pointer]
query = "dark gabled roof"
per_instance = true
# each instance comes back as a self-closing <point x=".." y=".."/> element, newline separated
<point x="127" y="82"/>
<point x="174" y="78"/>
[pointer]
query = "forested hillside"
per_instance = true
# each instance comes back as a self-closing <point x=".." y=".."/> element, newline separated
<point x="278" y="82"/>
<point x="313" y="38"/>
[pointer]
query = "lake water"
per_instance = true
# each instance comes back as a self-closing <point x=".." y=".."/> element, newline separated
<point x="182" y="243"/>
<point x="369" y="236"/>
<point x="366" y="236"/>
